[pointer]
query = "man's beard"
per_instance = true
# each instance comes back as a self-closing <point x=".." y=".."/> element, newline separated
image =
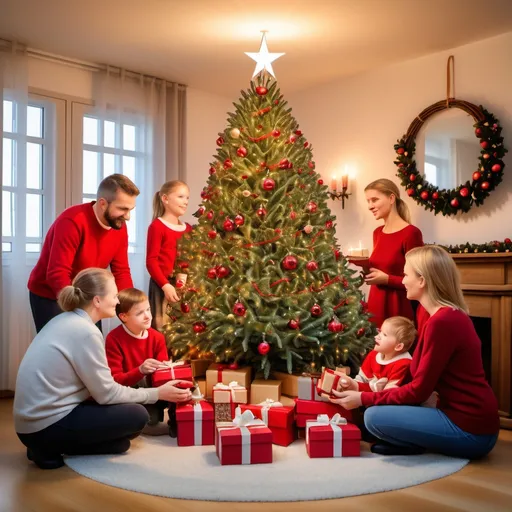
<point x="113" y="222"/>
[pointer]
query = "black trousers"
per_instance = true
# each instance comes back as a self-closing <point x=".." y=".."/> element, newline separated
<point x="43" y="310"/>
<point x="89" y="429"/>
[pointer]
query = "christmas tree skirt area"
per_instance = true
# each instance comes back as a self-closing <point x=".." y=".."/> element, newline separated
<point x="156" y="465"/>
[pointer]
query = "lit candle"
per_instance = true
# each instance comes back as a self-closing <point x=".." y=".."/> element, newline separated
<point x="333" y="183"/>
<point x="344" y="182"/>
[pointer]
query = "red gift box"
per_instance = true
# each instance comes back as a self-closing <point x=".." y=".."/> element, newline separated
<point x="195" y="424"/>
<point x="245" y="440"/>
<point x="332" y="438"/>
<point x="329" y="381"/>
<point x="278" y="418"/>
<point x="179" y="370"/>
<point x="309" y="410"/>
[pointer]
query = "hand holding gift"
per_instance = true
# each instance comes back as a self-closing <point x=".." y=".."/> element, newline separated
<point x="346" y="384"/>
<point x="170" y="392"/>
<point x="347" y="399"/>
<point x="329" y="381"/>
<point x="150" y="366"/>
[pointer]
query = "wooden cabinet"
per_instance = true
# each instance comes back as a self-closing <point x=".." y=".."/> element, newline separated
<point x="487" y="285"/>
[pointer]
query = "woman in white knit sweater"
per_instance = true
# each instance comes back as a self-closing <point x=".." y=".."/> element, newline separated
<point x="66" y="401"/>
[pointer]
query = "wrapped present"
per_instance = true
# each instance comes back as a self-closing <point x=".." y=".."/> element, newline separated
<point x="225" y="399"/>
<point x="245" y="440"/>
<point x="289" y="383"/>
<point x="195" y="424"/>
<point x="277" y="417"/>
<point x="309" y="410"/>
<point x="222" y="373"/>
<point x="199" y="367"/>
<point x="332" y="437"/>
<point x="307" y="388"/>
<point x="178" y="370"/>
<point x="329" y="381"/>
<point x="224" y="412"/>
<point x="201" y="384"/>
<point x="262" y="389"/>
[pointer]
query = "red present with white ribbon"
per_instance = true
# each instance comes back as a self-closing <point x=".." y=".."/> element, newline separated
<point x="307" y="388"/>
<point x="245" y="440"/>
<point x="329" y="381"/>
<point x="277" y="417"/>
<point x="309" y="410"/>
<point x="174" y="371"/>
<point x="333" y="437"/>
<point x="195" y="424"/>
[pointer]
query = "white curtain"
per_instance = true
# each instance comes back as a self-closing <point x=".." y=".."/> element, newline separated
<point x="17" y="329"/>
<point x="159" y="110"/>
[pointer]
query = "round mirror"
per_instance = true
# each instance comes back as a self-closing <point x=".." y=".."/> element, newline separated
<point x="447" y="150"/>
<point x="451" y="156"/>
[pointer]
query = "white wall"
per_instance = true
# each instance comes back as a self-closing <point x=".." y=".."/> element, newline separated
<point x="356" y="121"/>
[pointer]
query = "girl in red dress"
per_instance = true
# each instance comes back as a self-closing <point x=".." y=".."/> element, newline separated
<point x="391" y="242"/>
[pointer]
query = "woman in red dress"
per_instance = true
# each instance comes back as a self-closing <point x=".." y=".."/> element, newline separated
<point x="390" y="244"/>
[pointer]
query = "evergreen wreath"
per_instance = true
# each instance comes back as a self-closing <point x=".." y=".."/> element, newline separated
<point x="484" y="180"/>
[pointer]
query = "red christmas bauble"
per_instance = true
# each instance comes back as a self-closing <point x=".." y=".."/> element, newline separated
<point x="239" y="220"/>
<point x="228" y="163"/>
<point x="228" y="225"/>
<point x="486" y="156"/>
<point x="185" y="307"/>
<point x="212" y="234"/>
<point x="410" y="192"/>
<point x="283" y="164"/>
<point x="335" y="326"/>
<point x="320" y="182"/>
<point x="312" y="266"/>
<point x="478" y="132"/>
<point x="289" y="262"/>
<point x="201" y="210"/>
<point x="312" y="206"/>
<point x="261" y="91"/>
<point x="268" y="184"/>
<point x="231" y="258"/>
<point x="507" y="241"/>
<point x="412" y="177"/>
<point x="455" y="203"/>
<point x="311" y="165"/>
<point x="244" y="176"/>
<point x="293" y="215"/>
<point x="315" y="310"/>
<point x="222" y="271"/>
<point x="276" y="133"/>
<point x="400" y="151"/>
<point x="261" y="212"/>
<point x="241" y="151"/>
<point x="239" y="309"/>
<point x="424" y="195"/>
<point x="204" y="194"/>
<point x="212" y="273"/>
<point x="298" y="133"/>
<point x="496" y="168"/>
<point x="360" y="332"/>
<point x="464" y="192"/>
<point x="199" y="327"/>
<point x="329" y="224"/>
<point x="292" y="139"/>
<point x="212" y="170"/>
<point x="477" y="175"/>
<point x="485" y="185"/>
<point x="294" y="324"/>
<point x="337" y="254"/>
<point x="484" y="144"/>
<point x="209" y="215"/>
<point x="435" y="195"/>
<point x="234" y="366"/>
<point x="263" y="348"/>
<point x="220" y="141"/>
<point x="183" y="265"/>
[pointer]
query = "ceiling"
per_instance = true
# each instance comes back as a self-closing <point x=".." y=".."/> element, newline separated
<point x="201" y="43"/>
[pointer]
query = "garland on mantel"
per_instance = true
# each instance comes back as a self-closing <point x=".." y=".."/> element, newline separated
<point x="494" y="246"/>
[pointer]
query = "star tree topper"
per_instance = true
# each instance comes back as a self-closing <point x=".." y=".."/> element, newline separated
<point x="263" y="58"/>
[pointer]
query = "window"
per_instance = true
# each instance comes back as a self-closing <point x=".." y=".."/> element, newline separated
<point x="27" y="180"/>
<point x="111" y="147"/>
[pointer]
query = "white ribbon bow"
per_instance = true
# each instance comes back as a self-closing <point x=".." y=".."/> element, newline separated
<point x="232" y="387"/>
<point x="323" y="420"/>
<point x="172" y="365"/>
<point x="265" y="407"/>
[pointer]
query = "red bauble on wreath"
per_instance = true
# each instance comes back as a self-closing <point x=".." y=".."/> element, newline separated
<point x="289" y="262"/>
<point x="464" y="192"/>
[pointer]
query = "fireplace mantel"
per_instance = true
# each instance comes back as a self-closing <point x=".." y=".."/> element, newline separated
<point x="487" y="286"/>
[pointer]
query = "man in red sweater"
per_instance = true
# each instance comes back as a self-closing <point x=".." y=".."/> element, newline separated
<point x="84" y="236"/>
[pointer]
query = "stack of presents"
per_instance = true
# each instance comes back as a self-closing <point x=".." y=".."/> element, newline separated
<point x="243" y="418"/>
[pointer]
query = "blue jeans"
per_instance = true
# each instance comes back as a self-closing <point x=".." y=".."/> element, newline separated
<point x="410" y="426"/>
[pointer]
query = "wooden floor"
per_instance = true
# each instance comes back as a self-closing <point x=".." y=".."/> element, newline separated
<point x="481" y="486"/>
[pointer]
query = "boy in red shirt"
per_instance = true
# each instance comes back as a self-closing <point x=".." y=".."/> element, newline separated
<point x="387" y="364"/>
<point x="135" y="350"/>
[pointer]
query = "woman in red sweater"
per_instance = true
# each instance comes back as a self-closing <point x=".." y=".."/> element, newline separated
<point x="169" y="204"/>
<point x="391" y="241"/>
<point x="447" y="360"/>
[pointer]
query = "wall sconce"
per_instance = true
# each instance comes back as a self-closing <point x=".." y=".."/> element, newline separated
<point x="337" y="192"/>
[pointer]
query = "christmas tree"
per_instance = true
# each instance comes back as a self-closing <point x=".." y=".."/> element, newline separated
<point x="267" y="285"/>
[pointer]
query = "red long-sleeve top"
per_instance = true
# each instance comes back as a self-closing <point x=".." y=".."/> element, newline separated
<point x="388" y="255"/>
<point x="126" y="352"/>
<point x="76" y="241"/>
<point x="161" y="250"/>
<point x="448" y="360"/>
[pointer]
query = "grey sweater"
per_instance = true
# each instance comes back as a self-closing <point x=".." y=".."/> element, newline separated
<point x="65" y="365"/>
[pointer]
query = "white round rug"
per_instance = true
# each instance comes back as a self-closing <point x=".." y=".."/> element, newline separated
<point x="156" y="465"/>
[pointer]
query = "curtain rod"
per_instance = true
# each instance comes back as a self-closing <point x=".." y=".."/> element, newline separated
<point x="7" y="45"/>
